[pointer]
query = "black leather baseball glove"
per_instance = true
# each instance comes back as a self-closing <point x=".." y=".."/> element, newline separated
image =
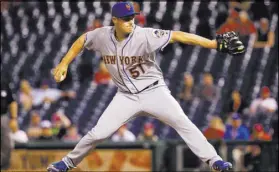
<point x="229" y="43"/>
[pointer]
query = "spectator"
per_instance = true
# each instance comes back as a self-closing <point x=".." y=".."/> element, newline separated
<point x="187" y="93"/>
<point x="262" y="109"/>
<point x="259" y="133"/>
<point x="34" y="128"/>
<point x="17" y="135"/>
<point x="123" y="134"/>
<point x="265" y="37"/>
<point x="148" y="133"/>
<point x="53" y="94"/>
<point x="60" y="124"/>
<point x="32" y="97"/>
<point x="207" y="90"/>
<point x="102" y="76"/>
<point x="4" y="5"/>
<point x="46" y="131"/>
<point x="238" y="22"/>
<point x="265" y="103"/>
<point x="95" y="24"/>
<point x="247" y="26"/>
<point x="215" y="130"/>
<point x="8" y="106"/>
<point x="236" y="103"/>
<point x="237" y="131"/>
<point x="25" y="95"/>
<point x="140" y="18"/>
<point x="252" y="155"/>
<point x="72" y="134"/>
<point x="231" y="23"/>
<point x="252" y="159"/>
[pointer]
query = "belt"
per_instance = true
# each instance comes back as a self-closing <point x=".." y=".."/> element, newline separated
<point x="149" y="86"/>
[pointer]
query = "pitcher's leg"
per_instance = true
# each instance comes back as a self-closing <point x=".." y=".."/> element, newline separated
<point x="162" y="104"/>
<point x="119" y="111"/>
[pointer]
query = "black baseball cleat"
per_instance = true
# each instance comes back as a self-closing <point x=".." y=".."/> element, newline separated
<point x="58" y="167"/>
<point x="222" y="166"/>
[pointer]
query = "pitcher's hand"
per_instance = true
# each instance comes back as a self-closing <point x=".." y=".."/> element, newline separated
<point x="59" y="72"/>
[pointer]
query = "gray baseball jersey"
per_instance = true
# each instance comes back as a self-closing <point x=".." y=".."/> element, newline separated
<point x="132" y="66"/>
<point x="131" y="62"/>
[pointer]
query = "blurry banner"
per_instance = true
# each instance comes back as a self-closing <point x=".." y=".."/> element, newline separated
<point x="99" y="160"/>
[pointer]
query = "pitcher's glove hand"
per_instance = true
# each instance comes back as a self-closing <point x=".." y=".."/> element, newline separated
<point x="229" y="43"/>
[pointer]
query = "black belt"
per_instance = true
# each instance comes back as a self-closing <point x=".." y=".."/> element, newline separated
<point x="149" y="86"/>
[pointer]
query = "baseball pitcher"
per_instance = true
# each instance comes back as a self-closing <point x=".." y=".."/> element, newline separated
<point x="129" y="52"/>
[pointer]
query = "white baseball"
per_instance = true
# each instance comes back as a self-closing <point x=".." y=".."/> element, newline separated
<point x="62" y="77"/>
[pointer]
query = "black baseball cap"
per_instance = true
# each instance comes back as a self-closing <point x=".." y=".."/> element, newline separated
<point x="123" y="9"/>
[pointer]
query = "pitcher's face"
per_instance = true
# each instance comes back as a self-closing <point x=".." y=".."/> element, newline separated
<point x="125" y="24"/>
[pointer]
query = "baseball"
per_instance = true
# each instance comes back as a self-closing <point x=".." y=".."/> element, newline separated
<point x="62" y="77"/>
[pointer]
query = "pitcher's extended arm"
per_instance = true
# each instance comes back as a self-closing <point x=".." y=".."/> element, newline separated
<point x="60" y="71"/>
<point x="192" y="39"/>
<point x="227" y="42"/>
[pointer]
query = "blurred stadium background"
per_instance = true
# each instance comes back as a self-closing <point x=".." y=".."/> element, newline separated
<point x="218" y="92"/>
